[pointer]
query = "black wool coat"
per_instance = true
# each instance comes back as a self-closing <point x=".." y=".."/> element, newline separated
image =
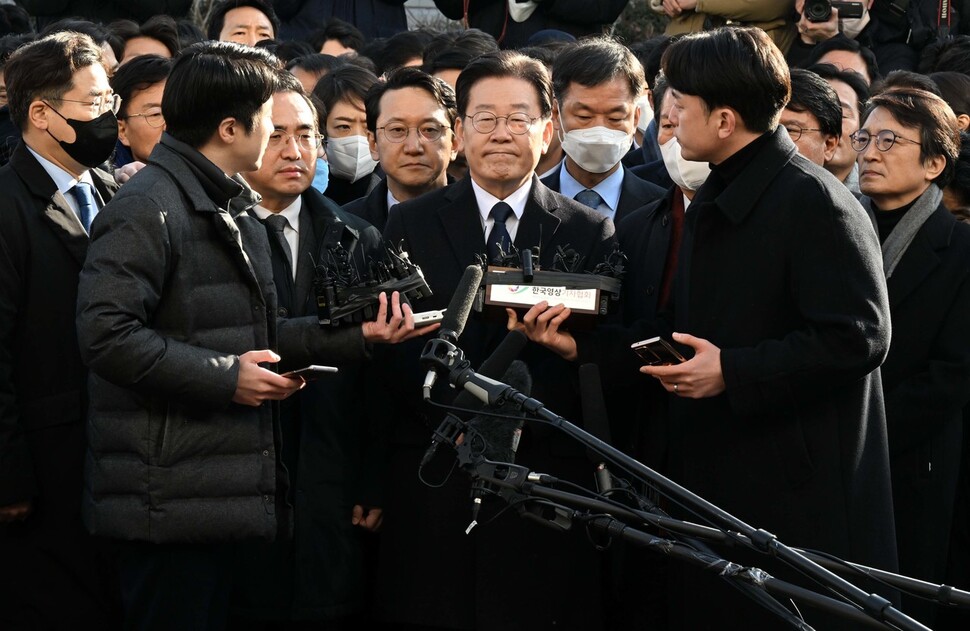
<point x="780" y="268"/>
<point x="926" y="378"/>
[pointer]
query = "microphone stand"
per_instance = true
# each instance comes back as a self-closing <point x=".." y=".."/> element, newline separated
<point x="876" y="606"/>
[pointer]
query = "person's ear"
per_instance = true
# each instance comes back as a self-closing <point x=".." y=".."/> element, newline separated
<point x="123" y="132"/>
<point x="37" y="114"/>
<point x="546" y="135"/>
<point x="228" y="130"/>
<point x="372" y="143"/>
<point x="831" y="144"/>
<point x="933" y="166"/>
<point x="727" y="121"/>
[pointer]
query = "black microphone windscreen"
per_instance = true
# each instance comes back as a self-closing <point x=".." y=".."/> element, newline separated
<point x="461" y="304"/>
<point x="595" y="418"/>
<point x="495" y="366"/>
<point x="500" y="436"/>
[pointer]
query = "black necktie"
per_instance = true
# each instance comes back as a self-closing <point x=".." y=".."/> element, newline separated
<point x="499" y="241"/>
<point x="282" y="259"/>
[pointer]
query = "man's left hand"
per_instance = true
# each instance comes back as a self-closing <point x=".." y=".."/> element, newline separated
<point x="696" y="378"/>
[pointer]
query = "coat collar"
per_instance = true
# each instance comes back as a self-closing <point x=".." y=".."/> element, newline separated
<point x="922" y="256"/>
<point x="206" y="186"/>
<point x="57" y="212"/>
<point x="742" y="193"/>
<point x="463" y="224"/>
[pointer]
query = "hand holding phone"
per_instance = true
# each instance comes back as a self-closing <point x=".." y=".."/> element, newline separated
<point x="310" y="373"/>
<point x="657" y="352"/>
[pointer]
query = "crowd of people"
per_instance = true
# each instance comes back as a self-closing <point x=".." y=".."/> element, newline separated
<point x="788" y="192"/>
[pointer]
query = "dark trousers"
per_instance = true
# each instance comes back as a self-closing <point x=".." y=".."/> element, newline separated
<point x="175" y="586"/>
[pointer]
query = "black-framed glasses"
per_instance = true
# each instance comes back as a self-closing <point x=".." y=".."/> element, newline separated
<point x="101" y="103"/>
<point x="517" y="122"/>
<point x="885" y="139"/>
<point x="154" y="118"/>
<point x="397" y="132"/>
<point x="305" y="141"/>
<point x="795" y="130"/>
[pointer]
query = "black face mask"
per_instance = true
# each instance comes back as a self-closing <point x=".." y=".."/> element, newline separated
<point x="94" y="139"/>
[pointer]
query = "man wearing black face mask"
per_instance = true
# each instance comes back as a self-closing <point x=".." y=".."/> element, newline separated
<point x="60" y="99"/>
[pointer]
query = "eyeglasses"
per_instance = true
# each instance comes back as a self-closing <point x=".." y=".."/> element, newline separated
<point x="307" y="142"/>
<point x="795" y="130"/>
<point x="517" y="122"/>
<point x="398" y="133"/>
<point x="154" y="119"/>
<point x="101" y="103"/>
<point x="885" y="139"/>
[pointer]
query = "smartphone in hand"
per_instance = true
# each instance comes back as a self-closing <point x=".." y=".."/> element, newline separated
<point x="310" y="372"/>
<point x="657" y="352"/>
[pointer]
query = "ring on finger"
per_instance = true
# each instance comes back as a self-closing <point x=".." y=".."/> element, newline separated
<point x="676" y="387"/>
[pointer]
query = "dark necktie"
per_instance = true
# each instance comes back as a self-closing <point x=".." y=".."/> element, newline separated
<point x="87" y="207"/>
<point x="589" y="198"/>
<point x="499" y="242"/>
<point x="282" y="260"/>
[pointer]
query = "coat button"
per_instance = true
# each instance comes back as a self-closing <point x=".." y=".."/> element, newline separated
<point x="256" y="308"/>
<point x="650" y="290"/>
<point x="266" y="498"/>
<point x="282" y="312"/>
<point x="665" y="221"/>
<point x="266" y="452"/>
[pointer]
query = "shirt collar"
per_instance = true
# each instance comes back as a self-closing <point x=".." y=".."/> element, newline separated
<point x="291" y="212"/>
<point x="609" y="189"/>
<point x="516" y="200"/>
<point x="63" y="180"/>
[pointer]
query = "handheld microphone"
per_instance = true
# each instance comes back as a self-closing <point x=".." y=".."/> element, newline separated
<point x="595" y="421"/>
<point x="441" y="351"/>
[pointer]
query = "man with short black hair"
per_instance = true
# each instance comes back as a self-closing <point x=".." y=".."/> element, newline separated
<point x="177" y="319"/>
<point x="140" y="84"/>
<point x="813" y="116"/>
<point x="853" y="94"/>
<point x="243" y="21"/>
<point x="597" y="83"/>
<point x="60" y="99"/>
<point x="410" y="126"/>
<point x="782" y="310"/>
<point x="908" y="148"/>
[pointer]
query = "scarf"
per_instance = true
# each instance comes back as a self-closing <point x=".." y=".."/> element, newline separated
<point x="896" y="244"/>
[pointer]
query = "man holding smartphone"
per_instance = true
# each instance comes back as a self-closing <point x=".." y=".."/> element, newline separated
<point x="777" y="416"/>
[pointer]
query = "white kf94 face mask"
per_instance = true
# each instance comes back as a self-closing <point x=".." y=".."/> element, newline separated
<point x="596" y="149"/>
<point x="686" y="174"/>
<point x="350" y="158"/>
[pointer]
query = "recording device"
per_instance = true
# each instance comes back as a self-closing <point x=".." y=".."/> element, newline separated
<point x="596" y="422"/>
<point x="657" y="352"/>
<point x="309" y="373"/>
<point x="347" y="284"/>
<point x="821" y="10"/>
<point x="429" y="317"/>
<point x="517" y="281"/>
<point x="441" y="352"/>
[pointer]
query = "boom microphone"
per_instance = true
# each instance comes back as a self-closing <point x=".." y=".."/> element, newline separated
<point x="442" y="348"/>
<point x="501" y="435"/>
<point x="496" y="364"/>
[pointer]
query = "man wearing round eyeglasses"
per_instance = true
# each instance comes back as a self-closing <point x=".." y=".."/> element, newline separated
<point x="813" y="116"/>
<point x="61" y="101"/>
<point x="410" y="121"/>
<point x="908" y="146"/>
<point x="504" y="125"/>
<point x="140" y="84"/>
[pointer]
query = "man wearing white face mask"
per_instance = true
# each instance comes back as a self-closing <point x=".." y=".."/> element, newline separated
<point x="344" y="121"/>
<point x="597" y="84"/>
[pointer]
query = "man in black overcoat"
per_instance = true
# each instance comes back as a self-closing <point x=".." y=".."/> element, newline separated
<point x="909" y="145"/>
<point x="318" y="572"/>
<point x="430" y="572"/>
<point x="781" y="306"/>
<point x="61" y="100"/>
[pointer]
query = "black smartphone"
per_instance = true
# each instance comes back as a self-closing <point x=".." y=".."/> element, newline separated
<point x="310" y="372"/>
<point x="657" y="352"/>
